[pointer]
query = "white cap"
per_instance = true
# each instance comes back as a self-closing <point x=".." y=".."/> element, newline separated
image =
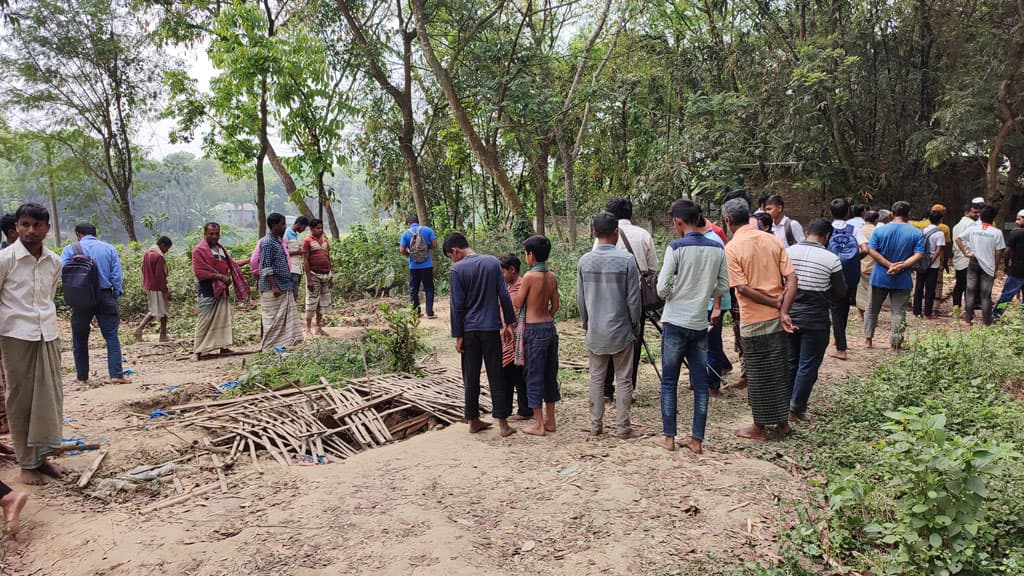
<point x="1020" y="214"/>
<point x="978" y="200"/>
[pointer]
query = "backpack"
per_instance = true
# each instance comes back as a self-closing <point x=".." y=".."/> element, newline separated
<point x="649" y="299"/>
<point x="790" y="237"/>
<point x="417" y="246"/>
<point x="81" y="280"/>
<point x="925" y="263"/>
<point x="843" y="244"/>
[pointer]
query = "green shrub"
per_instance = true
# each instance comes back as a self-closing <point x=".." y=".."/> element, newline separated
<point x="397" y="346"/>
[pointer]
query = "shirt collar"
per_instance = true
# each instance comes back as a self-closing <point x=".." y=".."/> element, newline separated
<point x="606" y="247"/>
<point x="625" y="221"/>
<point x="21" y="252"/>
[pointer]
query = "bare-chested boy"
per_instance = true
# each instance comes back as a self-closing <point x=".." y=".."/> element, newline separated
<point x="537" y="338"/>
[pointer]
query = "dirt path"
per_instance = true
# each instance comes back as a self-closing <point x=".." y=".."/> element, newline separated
<point x="445" y="502"/>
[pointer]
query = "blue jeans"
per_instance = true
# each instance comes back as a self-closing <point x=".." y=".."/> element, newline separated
<point x="716" y="354"/>
<point x="107" y="316"/>
<point x="806" y="351"/>
<point x="677" y="344"/>
<point x="1013" y="285"/>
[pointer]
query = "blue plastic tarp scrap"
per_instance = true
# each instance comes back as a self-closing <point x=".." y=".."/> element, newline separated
<point x="229" y="385"/>
<point x="79" y="442"/>
<point x="158" y="413"/>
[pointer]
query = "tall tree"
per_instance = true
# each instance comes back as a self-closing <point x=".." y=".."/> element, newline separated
<point x="84" y="67"/>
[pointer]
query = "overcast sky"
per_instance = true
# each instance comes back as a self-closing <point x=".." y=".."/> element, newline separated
<point x="153" y="135"/>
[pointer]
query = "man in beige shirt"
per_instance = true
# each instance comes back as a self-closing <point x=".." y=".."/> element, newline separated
<point x="29" y="273"/>
<point x="642" y="247"/>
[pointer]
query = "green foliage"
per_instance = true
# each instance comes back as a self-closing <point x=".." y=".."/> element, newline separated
<point x="397" y="346"/>
<point x="923" y="473"/>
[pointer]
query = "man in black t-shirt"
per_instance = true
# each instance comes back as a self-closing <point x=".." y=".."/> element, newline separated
<point x="1014" y="260"/>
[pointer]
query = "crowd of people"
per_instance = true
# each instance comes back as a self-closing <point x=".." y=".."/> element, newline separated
<point x="789" y="289"/>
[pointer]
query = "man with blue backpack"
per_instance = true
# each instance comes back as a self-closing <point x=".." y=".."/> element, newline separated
<point x="849" y="245"/>
<point x="418" y="243"/>
<point x="92" y="278"/>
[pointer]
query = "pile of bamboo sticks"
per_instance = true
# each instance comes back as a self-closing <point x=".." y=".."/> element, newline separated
<point x="322" y="421"/>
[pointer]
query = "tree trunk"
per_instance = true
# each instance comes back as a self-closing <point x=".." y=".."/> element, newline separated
<point x="992" y="194"/>
<point x="569" y="170"/>
<point x="289" y="183"/>
<point x="324" y="201"/>
<point x="540" y="181"/>
<point x="125" y="209"/>
<point x="487" y="156"/>
<point x="54" y="209"/>
<point x="261" y="184"/>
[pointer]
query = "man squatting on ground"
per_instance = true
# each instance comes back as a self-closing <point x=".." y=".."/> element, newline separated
<point x="693" y="272"/>
<point x="608" y="297"/>
<point x="480" y="306"/>
<point x="536" y="335"/>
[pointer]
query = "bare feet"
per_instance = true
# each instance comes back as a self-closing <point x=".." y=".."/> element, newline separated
<point x="33" y="477"/>
<point x="432" y="316"/>
<point x="504" y="429"/>
<point x="52" y="470"/>
<point x="478" y="426"/>
<point x="838" y="354"/>
<point x="165" y="338"/>
<point x="632" y="434"/>
<point x="78" y="382"/>
<point x="12" y="504"/>
<point x="320" y="331"/>
<point x="753" y="432"/>
<point x="693" y="445"/>
<point x="741" y="383"/>
<point x="597" y="431"/>
<point x="120" y="381"/>
<point x="549" y="417"/>
<point x="519" y="418"/>
<point x="535" y="429"/>
<point x="799" y="416"/>
<point x="666" y="442"/>
<point x="715" y="392"/>
<point x="785" y="429"/>
<point x="867" y="343"/>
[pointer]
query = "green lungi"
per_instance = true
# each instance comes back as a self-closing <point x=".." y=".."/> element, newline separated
<point x="766" y="349"/>
<point x="35" y="398"/>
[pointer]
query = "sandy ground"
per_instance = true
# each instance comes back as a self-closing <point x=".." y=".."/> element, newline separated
<point x="444" y="502"/>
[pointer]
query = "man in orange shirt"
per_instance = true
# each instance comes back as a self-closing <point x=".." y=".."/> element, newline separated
<point x="758" y="264"/>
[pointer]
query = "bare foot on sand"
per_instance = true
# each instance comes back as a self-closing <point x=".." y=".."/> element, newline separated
<point x="52" y="470"/>
<point x="838" y="354"/>
<point x="667" y="443"/>
<point x="33" y="477"/>
<point x="12" y="504"/>
<point x="519" y="418"/>
<point x="753" y="432"/>
<point x="478" y="426"/>
<point x="165" y="338"/>
<point x="120" y="381"/>
<point x="632" y="434"/>
<point x="504" y="429"/>
<point x="715" y="392"/>
<point x="535" y="429"/>
<point x="80" y="382"/>
<point x="692" y="445"/>
<point x="868" y="344"/>
<point x="739" y="384"/>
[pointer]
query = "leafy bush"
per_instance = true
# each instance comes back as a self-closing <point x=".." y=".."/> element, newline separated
<point x="922" y="473"/>
<point x="397" y="346"/>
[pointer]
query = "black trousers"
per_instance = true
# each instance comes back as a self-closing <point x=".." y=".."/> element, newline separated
<point x="514" y="381"/>
<point x="424" y="276"/>
<point x="924" y="291"/>
<point x="4" y="490"/>
<point x="959" y="287"/>
<point x="483" y="349"/>
<point x="840" y="307"/>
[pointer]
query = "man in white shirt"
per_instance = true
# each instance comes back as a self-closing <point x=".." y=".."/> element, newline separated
<point x="927" y="280"/>
<point x="29" y="273"/>
<point x="984" y="246"/>
<point x="858" y="216"/>
<point x="786" y="229"/>
<point x="642" y="248"/>
<point x="960" y="262"/>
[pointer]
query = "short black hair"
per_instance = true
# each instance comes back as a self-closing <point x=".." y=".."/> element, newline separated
<point x="765" y="220"/>
<point x="410" y="220"/>
<point x="901" y="209"/>
<point x="604" y="224"/>
<point x="763" y="199"/>
<point x="83" y="228"/>
<point x="510" y="260"/>
<point x="621" y="207"/>
<point x="454" y="240"/>
<point x="738" y="193"/>
<point x="315" y="222"/>
<point x="820" y="227"/>
<point x="273" y="219"/>
<point x="860" y="210"/>
<point x="988" y="214"/>
<point x="935" y="216"/>
<point x="8" y="222"/>
<point x="840" y="208"/>
<point x="686" y="211"/>
<point x="775" y="200"/>
<point x="302" y="221"/>
<point x="539" y="246"/>
<point x="969" y="206"/>
<point x="36" y="212"/>
<point x="209" y="225"/>
<point x="164" y="241"/>
<point x="871" y="216"/>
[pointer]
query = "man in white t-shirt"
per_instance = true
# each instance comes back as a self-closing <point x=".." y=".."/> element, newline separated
<point x="786" y="229"/>
<point x="984" y="246"/>
<point x="642" y="247"/>
<point x="927" y="280"/>
<point x="968" y="220"/>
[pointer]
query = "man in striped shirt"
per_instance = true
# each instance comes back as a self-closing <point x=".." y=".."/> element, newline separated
<point x="820" y="281"/>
